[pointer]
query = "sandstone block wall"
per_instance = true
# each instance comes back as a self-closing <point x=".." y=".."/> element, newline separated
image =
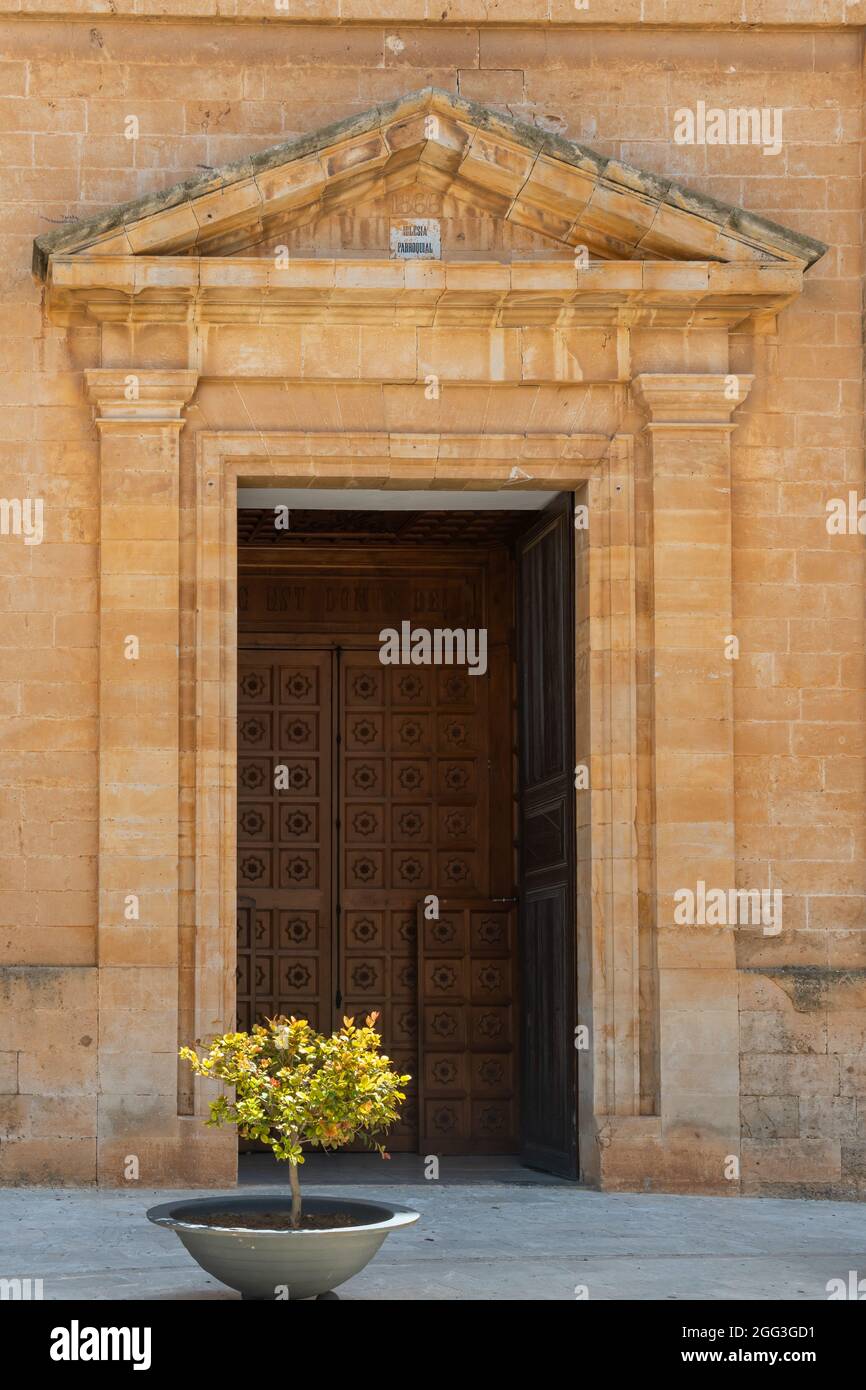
<point x="207" y="83"/>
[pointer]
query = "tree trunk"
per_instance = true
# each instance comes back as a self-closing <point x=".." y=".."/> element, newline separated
<point x="296" y="1194"/>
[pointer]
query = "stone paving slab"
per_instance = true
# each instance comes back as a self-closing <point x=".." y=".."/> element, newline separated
<point x="485" y="1242"/>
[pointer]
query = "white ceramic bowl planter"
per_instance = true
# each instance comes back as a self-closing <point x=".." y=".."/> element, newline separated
<point x="282" y="1264"/>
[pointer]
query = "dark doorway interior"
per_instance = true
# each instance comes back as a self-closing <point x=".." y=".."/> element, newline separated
<point x="402" y="781"/>
<point x="367" y="1169"/>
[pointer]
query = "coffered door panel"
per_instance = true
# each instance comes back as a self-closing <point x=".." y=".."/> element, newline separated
<point x="285" y="874"/>
<point x="467" y="967"/>
<point x="386" y="855"/>
<point x="414" y="819"/>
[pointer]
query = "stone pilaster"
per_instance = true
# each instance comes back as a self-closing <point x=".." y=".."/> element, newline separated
<point x="693" y="754"/>
<point x="139" y="415"/>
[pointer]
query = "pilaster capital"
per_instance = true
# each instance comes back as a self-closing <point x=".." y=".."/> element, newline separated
<point x="138" y="395"/>
<point x="687" y="401"/>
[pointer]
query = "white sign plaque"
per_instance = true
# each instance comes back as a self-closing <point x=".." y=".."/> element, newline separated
<point x="416" y="239"/>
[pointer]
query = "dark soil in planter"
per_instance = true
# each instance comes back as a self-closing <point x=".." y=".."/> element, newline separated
<point x="280" y="1220"/>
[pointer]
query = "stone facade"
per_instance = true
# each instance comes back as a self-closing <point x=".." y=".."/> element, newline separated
<point x="696" y="380"/>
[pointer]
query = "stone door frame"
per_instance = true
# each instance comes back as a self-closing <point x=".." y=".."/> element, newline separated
<point x="224" y="460"/>
<point x="622" y="996"/>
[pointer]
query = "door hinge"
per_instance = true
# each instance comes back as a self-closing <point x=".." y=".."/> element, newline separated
<point x="338" y="999"/>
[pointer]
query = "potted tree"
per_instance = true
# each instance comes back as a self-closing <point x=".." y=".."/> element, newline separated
<point x="294" y="1089"/>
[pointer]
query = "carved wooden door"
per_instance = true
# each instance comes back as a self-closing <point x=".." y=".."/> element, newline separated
<point x="547" y="842"/>
<point x="362" y="789"/>
<point x="365" y="788"/>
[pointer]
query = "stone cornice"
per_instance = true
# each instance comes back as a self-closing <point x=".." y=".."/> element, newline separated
<point x="139" y="396"/>
<point x="626" y="14"/>
<point x="529" y="178"/>
<point x="425" y="293"/>
<point x="682" y="400"/>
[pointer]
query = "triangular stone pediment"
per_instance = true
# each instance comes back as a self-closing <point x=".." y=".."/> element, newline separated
<point x="501" y="188"/>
